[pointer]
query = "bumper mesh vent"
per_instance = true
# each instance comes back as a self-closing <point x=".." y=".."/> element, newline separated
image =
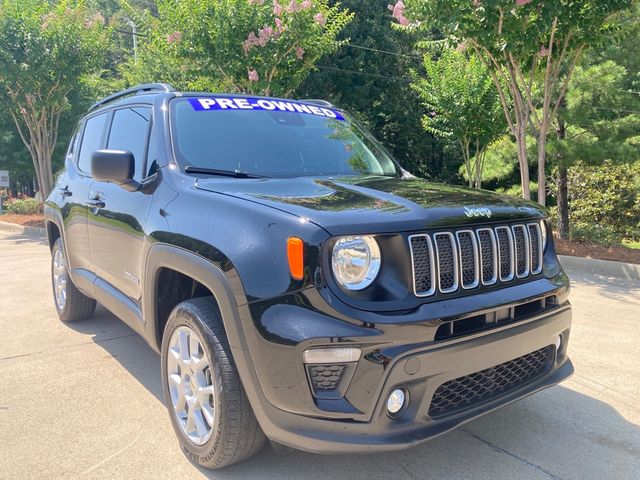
<point x="476" y="388"/>
<point x="325" y="377"/>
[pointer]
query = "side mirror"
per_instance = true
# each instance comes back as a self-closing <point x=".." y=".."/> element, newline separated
<point x="114" y="166"/>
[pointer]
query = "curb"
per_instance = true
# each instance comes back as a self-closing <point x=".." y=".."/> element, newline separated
<point x="592" y="266"/>
<point x="14" y="228"/>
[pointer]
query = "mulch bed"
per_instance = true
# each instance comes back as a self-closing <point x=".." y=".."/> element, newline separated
<point x="618" y="253"/>
<point x="24" y="220"/>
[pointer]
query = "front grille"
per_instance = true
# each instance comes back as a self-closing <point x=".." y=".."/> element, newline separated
<point x="476" y="388"/>
<point x="444" y="262"/>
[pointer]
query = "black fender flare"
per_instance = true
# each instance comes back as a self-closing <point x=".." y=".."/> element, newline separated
<point x="163" y="255"/>
<point x="212" y="277"/>
<point x="51" y="215"/>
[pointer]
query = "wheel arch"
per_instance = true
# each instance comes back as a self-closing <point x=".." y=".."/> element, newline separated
<point x="163" y="257"/>
<point x="53" y="225"/>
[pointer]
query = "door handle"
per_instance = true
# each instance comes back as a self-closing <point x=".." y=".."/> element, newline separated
<point x="96" y="200"/>
<point x="96" y="203"/>
<point x="65" y="191"/>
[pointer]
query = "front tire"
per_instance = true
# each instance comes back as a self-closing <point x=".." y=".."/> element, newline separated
<point x="208" y="407"/>
<point x="70" y="303"/>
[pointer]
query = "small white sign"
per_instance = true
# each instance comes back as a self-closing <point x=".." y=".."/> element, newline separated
<point x="4" y="178"/>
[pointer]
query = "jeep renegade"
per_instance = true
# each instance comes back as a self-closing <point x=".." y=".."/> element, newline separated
<point x="298" y="284"/>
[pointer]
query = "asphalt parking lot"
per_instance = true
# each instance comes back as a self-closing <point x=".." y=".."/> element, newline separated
<point x="84" y="400"/>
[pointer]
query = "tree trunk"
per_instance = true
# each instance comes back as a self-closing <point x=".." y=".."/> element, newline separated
<point x="521" y="141"/>
<point x="542" y="179"/>
<point x="563" y="190"/>
<point x="40" y="139"/>
<point x="478" y="169"/>
<point x="563" y="203"/>
<point x="464" y="145"/>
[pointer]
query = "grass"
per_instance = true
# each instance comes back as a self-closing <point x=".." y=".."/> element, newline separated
<point x="631" y="244"/>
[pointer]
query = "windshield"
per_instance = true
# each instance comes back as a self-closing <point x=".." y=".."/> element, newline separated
<point x="272" y="138"/>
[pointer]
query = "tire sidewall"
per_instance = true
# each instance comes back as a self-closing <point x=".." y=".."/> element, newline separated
<point x="184" y="315"/>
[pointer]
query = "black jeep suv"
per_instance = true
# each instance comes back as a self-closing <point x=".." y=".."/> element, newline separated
<point x="297" y="282"/>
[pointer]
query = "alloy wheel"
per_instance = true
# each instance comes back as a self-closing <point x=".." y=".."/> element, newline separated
<point x="190" y="385"/>
<point x="60" y="279"/>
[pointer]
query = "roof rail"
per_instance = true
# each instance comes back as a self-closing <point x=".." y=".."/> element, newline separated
<point x="318" y="101"/>
<point x="146" y="87"/>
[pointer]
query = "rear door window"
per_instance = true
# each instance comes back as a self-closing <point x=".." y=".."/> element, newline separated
<point x="130" y="131"/>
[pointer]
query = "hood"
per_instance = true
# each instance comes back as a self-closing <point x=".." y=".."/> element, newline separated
<point x="376" y="204"/>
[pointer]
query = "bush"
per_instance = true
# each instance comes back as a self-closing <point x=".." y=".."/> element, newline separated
<point x="26" y="206"/>
<point x="604" y="202"/>
<point x="516" y="190"/>
<point x="593" y="233"/>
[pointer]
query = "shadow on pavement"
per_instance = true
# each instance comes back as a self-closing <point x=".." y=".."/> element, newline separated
<point x="19" y="238"/>
<point x="558" y="433"/>
<point x="616" y="288"/>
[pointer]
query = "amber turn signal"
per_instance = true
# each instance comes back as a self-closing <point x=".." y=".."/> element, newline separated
<point x="295" y="254"/>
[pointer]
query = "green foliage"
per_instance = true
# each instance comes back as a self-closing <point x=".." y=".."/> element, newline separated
<point x="603" y="117"/>
<point x="249" y="46"/>
<point x="462" y="104"/>
<point x="515" y="190"/>
<point x="26" y="206"/>
<point x="531" y="48"/>
<point x="47" y="52"/>
<point x="500" y="160"/>
<point x="13" y="156"/>
<point x="520" y="28"/>
<point x="370" y="78"/>
<point x="604" y="202"/>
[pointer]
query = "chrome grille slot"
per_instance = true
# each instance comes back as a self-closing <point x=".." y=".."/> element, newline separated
<point x="468" y="258"/>
<point x="447" y="262"/>
<point x="488" y="256"/>
<point x="522" y="250"/>
<point x="535" y="241"/>
<point x="474" y="257"/>
<point x="505" y="253"/>
<point x="422" y="260"/>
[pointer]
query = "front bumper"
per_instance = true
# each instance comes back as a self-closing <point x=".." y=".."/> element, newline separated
<point x="421" y="369"/>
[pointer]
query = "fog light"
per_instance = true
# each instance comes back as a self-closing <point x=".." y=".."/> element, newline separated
<point x="395" y="402"/>
<point x="558" y="344"/>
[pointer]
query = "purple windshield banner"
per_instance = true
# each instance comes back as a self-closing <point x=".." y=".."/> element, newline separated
<point x="256" y="103"/>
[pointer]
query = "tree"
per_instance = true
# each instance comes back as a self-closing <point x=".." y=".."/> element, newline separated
<point x="14" y="158"/>
<point x="369" y="76"/>
<point x="599" y="121"/>
<point x="47" y="52"/>
<point x="531" y="49"/>
<point x="247" y="46"/>
<point x="462" y="102"/>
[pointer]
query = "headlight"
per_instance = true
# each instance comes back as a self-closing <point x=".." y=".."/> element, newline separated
<point x="543" y="231"/>
<point x="355" y="261"/>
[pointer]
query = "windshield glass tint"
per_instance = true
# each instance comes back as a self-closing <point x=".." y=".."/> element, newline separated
<point x="240" y="135"/>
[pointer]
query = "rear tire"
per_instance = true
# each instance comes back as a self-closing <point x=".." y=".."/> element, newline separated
<point x="70" y="303"/>
<point x="208" y="407"/>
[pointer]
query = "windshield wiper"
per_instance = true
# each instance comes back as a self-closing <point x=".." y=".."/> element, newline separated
<point x="223" y="173"/>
